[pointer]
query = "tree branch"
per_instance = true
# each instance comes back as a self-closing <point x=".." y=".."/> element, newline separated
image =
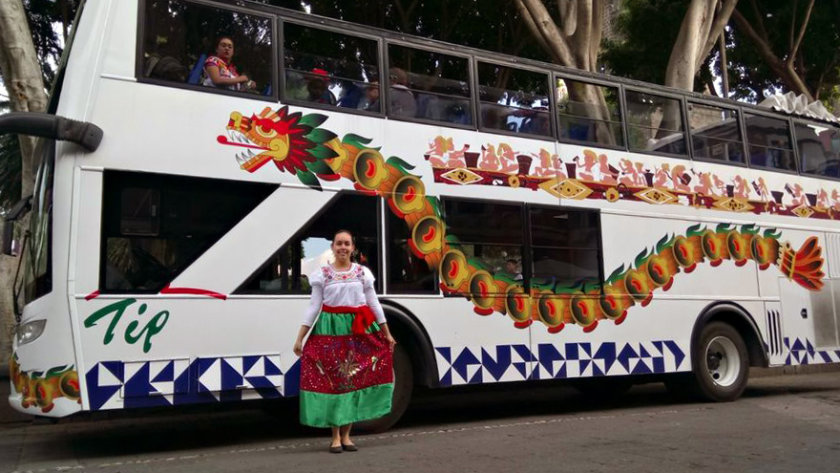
<point x="759" y="19"/>
<point x="558" y="47"/>
<point x="721" y="19"/>
<point x="805" y="21"/>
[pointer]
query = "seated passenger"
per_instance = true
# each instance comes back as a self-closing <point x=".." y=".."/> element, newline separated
<point x="370" y="101"/>
<point x="402" y="100"/>
<point x="317" y="83"/>
<point x="220" y="72"/>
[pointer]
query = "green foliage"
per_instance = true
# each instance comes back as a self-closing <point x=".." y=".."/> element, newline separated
<point x="818" y="58"/>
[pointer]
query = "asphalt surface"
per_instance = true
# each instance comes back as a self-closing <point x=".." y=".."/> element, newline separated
<point x="785" y="423"/>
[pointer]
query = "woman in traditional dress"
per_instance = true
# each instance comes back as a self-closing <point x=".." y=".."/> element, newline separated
<point x="346" y="367"/>
<point x="220" y="72"/>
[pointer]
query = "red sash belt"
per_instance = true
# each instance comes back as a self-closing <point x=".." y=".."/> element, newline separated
<point x="363" y="316"/>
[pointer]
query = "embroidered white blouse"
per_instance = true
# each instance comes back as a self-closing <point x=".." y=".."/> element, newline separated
<point x="350" y="288"/>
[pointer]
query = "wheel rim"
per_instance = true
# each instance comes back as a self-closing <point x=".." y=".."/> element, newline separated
<point x="723" y="363"/>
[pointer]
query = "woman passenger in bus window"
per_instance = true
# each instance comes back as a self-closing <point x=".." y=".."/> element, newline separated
<point x="317" y="83"/>
<point x="346" y="369"/>
<point x="220" y="72"/>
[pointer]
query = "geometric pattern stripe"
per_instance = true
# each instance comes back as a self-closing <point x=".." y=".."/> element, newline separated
<point x="479" y="364"/>
<point x="118" y="384"/>
<point x="802" y="352"/>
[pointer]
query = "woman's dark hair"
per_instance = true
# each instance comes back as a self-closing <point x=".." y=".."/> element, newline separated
<point x="219" y="40"/>
<point x="352" y="237"/>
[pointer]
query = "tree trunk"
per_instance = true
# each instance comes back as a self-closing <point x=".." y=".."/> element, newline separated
<point x="21" y="72"/>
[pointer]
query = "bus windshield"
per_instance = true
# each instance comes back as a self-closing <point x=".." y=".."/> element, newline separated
<point x="38" y="280"/>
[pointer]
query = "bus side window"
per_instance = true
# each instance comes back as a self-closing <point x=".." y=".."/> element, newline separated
<point x="565" y="248"/>
<point x="155" y="225"/>
<point x="181" y="38"/>
<point x="287" y="270"/>
<point x="513" y="99"/>
<point x="489" y="234"/>
<point x="588" y="113"/>
<point x="428" y="85"/>
<point x="655" y="123"/>
<point x="715" y="133"/>
<point x="331" y="68"/>
<point x="819" y="149"/>
<point x="769" y="142"/>
<point x="407" y="273"/>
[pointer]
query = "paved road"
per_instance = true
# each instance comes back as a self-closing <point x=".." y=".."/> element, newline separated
<point x="782" y="424"/>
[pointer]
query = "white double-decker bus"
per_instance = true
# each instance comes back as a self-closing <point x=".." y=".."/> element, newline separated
<point x="524" y="221"/>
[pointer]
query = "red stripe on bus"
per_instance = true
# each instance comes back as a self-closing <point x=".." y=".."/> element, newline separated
<point x="192" y="290"/>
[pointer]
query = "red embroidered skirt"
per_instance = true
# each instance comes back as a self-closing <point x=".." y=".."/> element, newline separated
<point x="346" y="370"/>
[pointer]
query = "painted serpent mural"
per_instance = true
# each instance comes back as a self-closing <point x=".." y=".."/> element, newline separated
<point x="297" y="144"/>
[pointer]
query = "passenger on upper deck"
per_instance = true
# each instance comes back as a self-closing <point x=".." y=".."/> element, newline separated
<point x="317" y="83"/>
<point x="402" y="100"/>
<point x="370" y="101"/>
<point x="219" y="71"/>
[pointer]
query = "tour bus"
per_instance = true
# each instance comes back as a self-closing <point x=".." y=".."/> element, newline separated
<point x="524" y="221"/>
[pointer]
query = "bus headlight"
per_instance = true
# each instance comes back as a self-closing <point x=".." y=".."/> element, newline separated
<point x="30" y="331"/>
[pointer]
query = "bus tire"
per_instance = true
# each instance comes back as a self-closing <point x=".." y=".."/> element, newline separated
<point x="403" y="387"/>
<point x="721" y="365"/>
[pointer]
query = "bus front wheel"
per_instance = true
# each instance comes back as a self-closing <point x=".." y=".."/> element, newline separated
<point x="403" y="387"/>
<point x="721" y="366"/>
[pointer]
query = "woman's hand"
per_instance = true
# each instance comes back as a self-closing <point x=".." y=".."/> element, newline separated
<point x="298" y="348"/>
<point x="246" y="82"/>
<point x="391" y="342"/>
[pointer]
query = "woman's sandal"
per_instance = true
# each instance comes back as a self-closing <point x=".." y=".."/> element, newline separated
<point x="336" y="449"/>
<point x="350" y="447"/>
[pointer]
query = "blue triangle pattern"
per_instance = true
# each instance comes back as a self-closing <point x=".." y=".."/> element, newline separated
<point x="465" y="359"/>
<point x="679" y="356"/>
<point x="138" y="385"/>
<point x="572" y="351"/>
<point x="231" y="378"/>
<point x="641" y="368"/>
<point x="166" y="374"/>
<point x="498" y="366"/>
<point x="291" y="380"/>
<point x="270" y="368"/>
<point x="446" y="353"/>
<point x="586" y="348"/>
<point x="248" y="362"/>
<point x="98" y="395"/>
<point x="643" y="353"/>
<point x="524" y="352"/>
<point x="607" y="353"/>
<point x="548" y="354"/>
<point x="624" y="356"/>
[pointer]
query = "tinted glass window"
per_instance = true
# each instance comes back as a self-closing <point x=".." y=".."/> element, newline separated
<point x="287" y="270"/>
<point x="715" y="133"/>
<point x="490" y="235"/>
<point x="331" y="68"/>
<point x="589" y="113"/>
<point x="199" y="45"/>
<point x="565" y="247"/>
<point x="407" y="273"/>
<point x="154" y="225"/>
<point x="428" y="85"/>
<point x="819" y="149"/>
<point x="655" y="123"/>
<point x="513" y="99"/>
<point x="769" y="142"/>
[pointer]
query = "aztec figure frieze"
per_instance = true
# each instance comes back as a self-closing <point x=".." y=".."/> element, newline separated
<point x="297" y="145"/>
<point x="600" y="176"/>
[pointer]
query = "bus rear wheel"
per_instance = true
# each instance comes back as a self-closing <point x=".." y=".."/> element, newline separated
<point x="403" y="387"/>
<point x="721" y="366"/>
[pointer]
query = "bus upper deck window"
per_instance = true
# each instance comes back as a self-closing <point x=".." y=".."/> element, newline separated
<point x="819" y="149"/>
<point x="715" y="133"/>
<point x="588" y="113"/>
<point x="331" y="68"/>
<point x="428" y="85"/>
<point x="655" y="123"/>
<point x="513" y="99"/>
<point x="203" y="46"/>
<point x="769" y="142"/>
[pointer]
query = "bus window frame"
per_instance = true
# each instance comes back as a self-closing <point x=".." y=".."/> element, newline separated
<point x="794" y="150"/>
<point x="471" y="80"/>
<point x="385" y="274"/>
<point x="524" y="220"/>
<point x="551" y="136"/>
<point x="139" y="60"/>
<point x="681" y="99"/>
<point x="529" y="245"/>
<point x="281" y="63"/>
<point x="598" y="82"/>
<point x="806" y="122"/>
<point x="741" y="129"/>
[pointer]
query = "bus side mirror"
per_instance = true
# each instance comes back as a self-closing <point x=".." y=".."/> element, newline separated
<point x="21" y="208"/>
<point x="84" y="134"/>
